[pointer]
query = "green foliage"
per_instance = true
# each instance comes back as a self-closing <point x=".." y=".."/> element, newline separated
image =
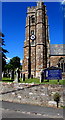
<point x="15" y="62"/>
<point x="21" y="67"/>
<point x="63" y="107"/>
<point x="57" y="97"/>
<point x="8" y="66"/>
<point x="2" y="50"/>
<point x="3" y="63"/>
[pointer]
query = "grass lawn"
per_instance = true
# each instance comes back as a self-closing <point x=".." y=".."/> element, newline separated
<point x="36" y="81"/>
<point x="4" y="79"/>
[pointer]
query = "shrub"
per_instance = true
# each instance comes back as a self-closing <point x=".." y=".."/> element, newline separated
<point x="57" y="98"/>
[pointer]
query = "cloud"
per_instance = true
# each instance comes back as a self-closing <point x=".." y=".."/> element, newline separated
<point x="21" y="61"/>
<point x="8" y="59"/>
<point x="63" y="2"/>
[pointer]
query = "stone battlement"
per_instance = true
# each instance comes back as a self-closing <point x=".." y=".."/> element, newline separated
<point x="31" y="9"/>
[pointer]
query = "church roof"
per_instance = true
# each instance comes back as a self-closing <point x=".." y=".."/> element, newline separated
<point x="57" y="49"/>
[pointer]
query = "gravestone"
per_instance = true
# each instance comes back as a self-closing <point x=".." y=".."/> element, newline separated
<point x="16" y="79"/>
<point x="20" y="74"/>
<point x="5" y="74"/>
<point x="23" y="77"/>
<point x="31" y="76"/>
<point x="12" y="74"/>
<point x="9" y="75"/>
<point x="41" y="76"/>
<point x="28" y="76"/>
<point x="2" y="74"/>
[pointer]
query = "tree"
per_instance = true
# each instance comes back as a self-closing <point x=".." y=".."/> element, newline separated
<point x="21" y="67"/>
<point x="56" y="98"/>
<point x="2" y="50"/>
<point x="15" y="62"/>
<point x="8" y="67"/>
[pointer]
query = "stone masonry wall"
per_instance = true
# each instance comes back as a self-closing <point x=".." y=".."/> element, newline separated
<point x="54" y="60"/>
<point x="38" y="53"/>
<point x="32" y="94"/>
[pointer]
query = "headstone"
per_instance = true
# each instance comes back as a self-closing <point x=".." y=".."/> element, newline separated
<point x="5" y="74"/>
<point x="41" y="77"/>
<point x="12" y="74"/>
<point x="58" y="80"/>
<point x="2" y="74"/>
<point x="9" y="75"/>
<point x="31" y="76"/>
<point x="48" y="80"/>
<point x="16" y="79"/>
<point x="23" y="77"/>
<point x="28" y="76"/>
<point x="20" y="75"/>
<point x="18" y="72"/>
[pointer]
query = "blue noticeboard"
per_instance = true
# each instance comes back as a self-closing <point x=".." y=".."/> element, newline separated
<point x="52" y="74"/>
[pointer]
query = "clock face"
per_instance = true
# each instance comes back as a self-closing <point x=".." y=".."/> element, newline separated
<point x="32" y="37"/>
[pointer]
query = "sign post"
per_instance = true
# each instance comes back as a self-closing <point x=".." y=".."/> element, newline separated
<point x="53" y="73"/>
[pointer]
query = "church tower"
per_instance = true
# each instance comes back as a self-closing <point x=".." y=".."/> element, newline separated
<point x="36" y="44"/>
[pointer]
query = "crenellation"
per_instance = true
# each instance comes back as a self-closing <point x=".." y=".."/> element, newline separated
<point x="31" y="10"/>
<point x="35" y="47"/>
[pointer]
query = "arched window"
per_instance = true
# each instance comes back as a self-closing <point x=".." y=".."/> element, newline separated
<point x="61" y="59"/>
<point x="32" y="32"/>
<point x="32" y="19"/>
<point x="61" y="64"/>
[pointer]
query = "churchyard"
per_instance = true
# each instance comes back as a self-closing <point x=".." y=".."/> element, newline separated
<point x="35" y="80"/>
<point x="16" y="76"/>
<point x="51" y="75"/>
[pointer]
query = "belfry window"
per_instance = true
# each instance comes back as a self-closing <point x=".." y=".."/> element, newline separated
<point x="32" y="19"/>
<point x="32" y="32"/>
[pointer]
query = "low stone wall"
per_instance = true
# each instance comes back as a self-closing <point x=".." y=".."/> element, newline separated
<point x="32" y="94"/>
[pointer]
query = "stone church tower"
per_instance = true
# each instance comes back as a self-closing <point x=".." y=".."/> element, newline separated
<point x="36" y="44"/>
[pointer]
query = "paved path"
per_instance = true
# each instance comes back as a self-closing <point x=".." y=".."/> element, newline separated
<point x="30" y="111"/>
<point x="17" y="114"/>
